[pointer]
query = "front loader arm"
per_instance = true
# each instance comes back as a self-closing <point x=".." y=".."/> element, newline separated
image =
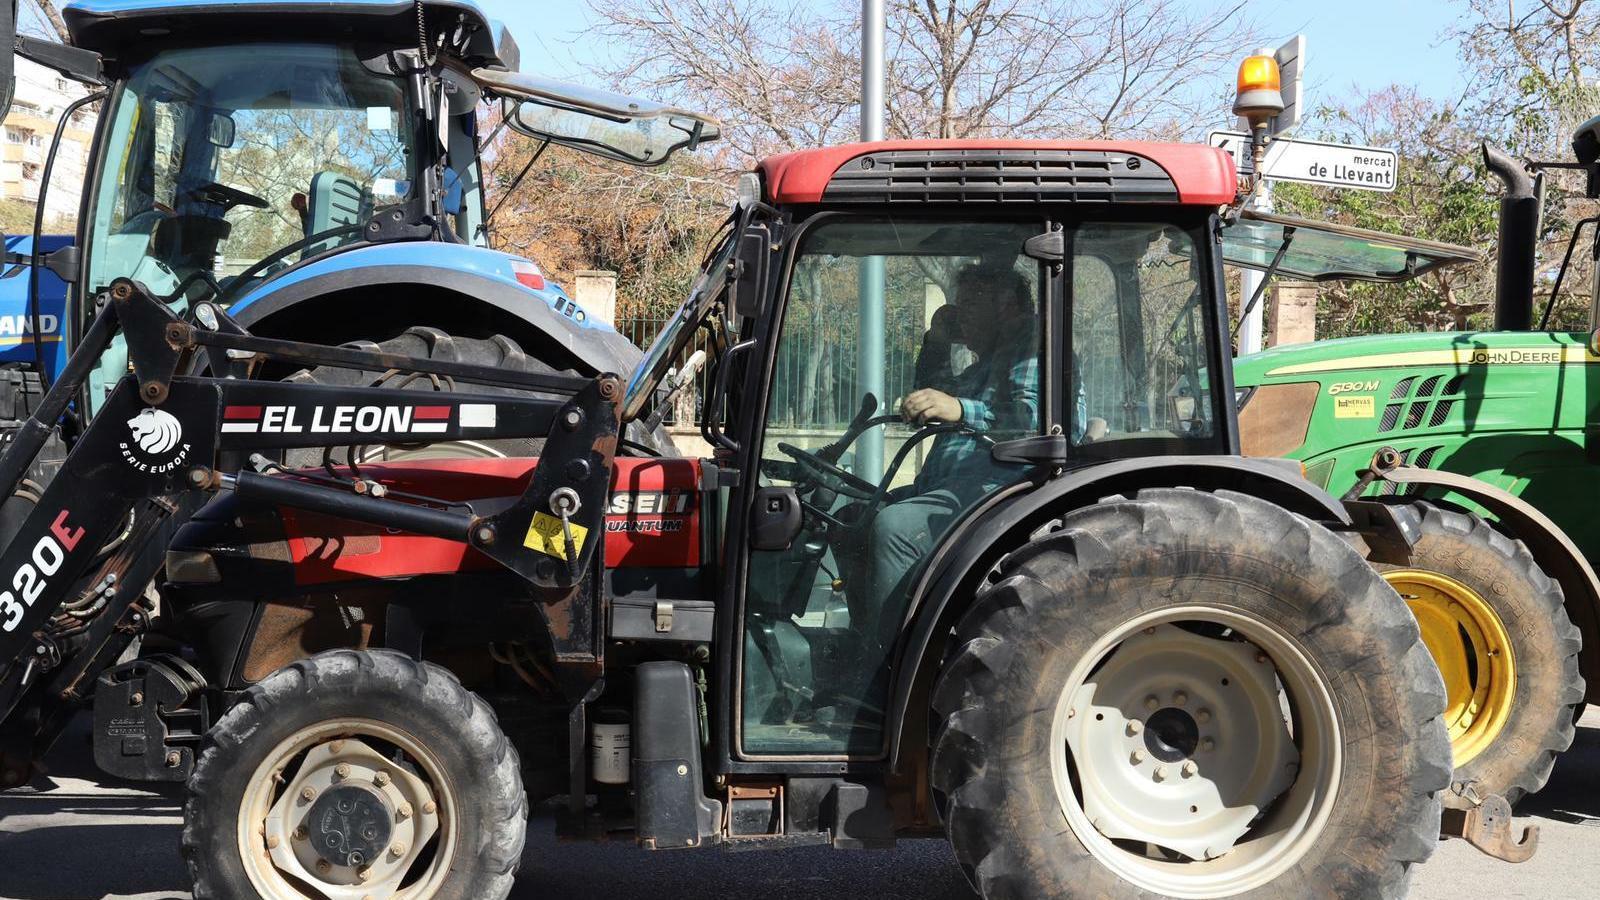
<point x="171" y="438"/>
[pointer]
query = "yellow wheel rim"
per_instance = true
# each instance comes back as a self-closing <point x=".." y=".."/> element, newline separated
<point x="1473" y="650"/>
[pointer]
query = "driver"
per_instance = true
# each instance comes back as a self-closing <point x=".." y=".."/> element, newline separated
<point x="995" y="316"/>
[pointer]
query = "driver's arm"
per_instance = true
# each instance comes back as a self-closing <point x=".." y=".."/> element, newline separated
<point x="1012" y="405"/>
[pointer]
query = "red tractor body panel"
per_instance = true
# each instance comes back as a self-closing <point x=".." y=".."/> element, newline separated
<point x="1203" y="175"/>
<point x="653" y="520"/>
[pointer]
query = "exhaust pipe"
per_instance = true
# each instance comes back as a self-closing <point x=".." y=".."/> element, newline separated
<point x="1519" y="233"/>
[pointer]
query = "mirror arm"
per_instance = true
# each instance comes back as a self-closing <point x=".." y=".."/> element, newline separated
<point x="1555" y="291"/>
<point x="1266" y="277"/>
<point x="512" y="187"/>
<point x="711" y="422"/>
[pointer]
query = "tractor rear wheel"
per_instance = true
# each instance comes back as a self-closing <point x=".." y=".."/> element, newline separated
<point x="353" y="774"/>
<point x="1498" y="628"/>
<point x="1188" y="694"/>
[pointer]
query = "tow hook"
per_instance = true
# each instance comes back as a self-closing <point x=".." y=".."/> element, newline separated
<point x="1489" y="827"/>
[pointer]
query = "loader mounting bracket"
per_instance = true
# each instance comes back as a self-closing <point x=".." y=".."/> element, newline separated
<point x="1489" y="827"/>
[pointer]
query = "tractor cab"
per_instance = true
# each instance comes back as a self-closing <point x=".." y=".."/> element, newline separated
<point x="912" y="332"/>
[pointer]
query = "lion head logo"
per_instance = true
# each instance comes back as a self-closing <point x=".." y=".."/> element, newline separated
<point x="156" y="431"/>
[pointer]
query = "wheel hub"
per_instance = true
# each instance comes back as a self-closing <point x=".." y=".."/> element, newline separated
<point x="350" y="825"/>
<point x="1179" y="741"/>
<point x="1171" y="735"/>
<point x="349" y="822"/>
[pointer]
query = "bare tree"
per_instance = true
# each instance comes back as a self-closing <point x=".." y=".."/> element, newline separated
<point x="48" y="10"/>
<point x="781" y="76"/>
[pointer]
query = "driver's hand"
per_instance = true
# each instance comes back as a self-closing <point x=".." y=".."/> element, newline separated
<point x="927" y="404"/>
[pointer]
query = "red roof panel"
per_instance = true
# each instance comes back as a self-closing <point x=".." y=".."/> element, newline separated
<point x="1203" y="175"/>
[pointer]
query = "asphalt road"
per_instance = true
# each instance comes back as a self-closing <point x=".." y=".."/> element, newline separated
<point x="69" y="839"/>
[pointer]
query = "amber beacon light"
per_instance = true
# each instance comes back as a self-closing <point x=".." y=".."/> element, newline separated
<point x="1259" y="95"/>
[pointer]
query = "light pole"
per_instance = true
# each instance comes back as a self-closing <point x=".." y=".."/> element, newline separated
<point x="870" y="282"/>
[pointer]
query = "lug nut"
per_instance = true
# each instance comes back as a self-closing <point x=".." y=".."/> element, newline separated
<point x="1134" y="727"/>
<point x="1161" y="773"/>
<point x="1189" y="768"/>
<point x="342" y="770"/>
<point x="323" y="865"/>
<point x="1179" y="698"/>
<point x="381" y="779"/>
<point x="335" y="747"/>
<point x="300" y="833"/>
<point x="398" y="850"/>
<point x="306" y="794"/>
<point x="136" y="699"/>
<point x="272" y="842"/>
<point x="1208" y="744"/>
<point x="404" y="811"/>
<point x="1202" y="716"/>
<point x="1152" y="702"/>
<point x="429" y="807"/>
<point x="1136" y="757"/>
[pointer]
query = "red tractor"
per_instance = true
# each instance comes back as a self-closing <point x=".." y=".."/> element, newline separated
<point x="974" y="554"/>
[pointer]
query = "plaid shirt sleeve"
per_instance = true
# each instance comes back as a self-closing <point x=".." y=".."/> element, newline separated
<point x="1012" y="405"/>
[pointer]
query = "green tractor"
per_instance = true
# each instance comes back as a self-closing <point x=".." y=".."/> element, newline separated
<point x="1484" y="446"/>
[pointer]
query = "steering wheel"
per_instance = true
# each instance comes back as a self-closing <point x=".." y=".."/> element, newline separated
<point x="225" y="196"/>
<point x="830" y="475"/>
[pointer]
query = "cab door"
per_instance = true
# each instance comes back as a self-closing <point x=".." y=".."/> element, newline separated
<point x="877" y="449"/>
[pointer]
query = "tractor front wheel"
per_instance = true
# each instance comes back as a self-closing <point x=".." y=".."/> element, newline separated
<point x="1498" y="628"/>
<point x="355" y="774"/>
<point x="1193" y="695"/>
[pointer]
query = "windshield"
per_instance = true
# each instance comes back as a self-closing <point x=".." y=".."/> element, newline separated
<point x="1323" y="251"/>
<point x="676" y="335"/>
<point x="218" y="158"/>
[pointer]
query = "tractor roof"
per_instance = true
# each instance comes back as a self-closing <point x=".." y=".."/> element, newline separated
<point x="107" y="26"/>
<point x="965" y="171"/>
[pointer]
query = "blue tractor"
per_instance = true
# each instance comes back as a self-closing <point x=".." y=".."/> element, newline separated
<point x="314" y="168"/>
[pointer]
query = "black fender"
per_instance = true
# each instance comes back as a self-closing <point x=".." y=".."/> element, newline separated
<point x="1004" y="520"/>
<point x="477" y="299"/>
<point x="1555" y="553"/>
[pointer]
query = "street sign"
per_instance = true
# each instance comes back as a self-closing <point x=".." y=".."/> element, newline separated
<point x="1291" y="58"/>
<point x="1314" y="162"/>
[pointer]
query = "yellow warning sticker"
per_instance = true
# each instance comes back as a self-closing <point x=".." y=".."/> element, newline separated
<point x="545" y="536"/>
<point x="1344" y="408"/>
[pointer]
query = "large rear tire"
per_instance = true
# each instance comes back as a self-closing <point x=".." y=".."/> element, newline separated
<point x="1498" y="628"/>
<point x="424" y="342"/>
<point x="354" y="774"/>
<point x="1188" y="694"/>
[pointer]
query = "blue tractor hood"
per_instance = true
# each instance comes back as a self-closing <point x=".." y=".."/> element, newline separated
<point x="110" y="27"/>
<point x="488" y="276"/>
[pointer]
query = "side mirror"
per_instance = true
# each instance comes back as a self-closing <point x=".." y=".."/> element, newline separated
<point x="748" y="281"/>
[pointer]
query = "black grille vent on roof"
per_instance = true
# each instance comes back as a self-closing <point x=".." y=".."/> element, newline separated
<point x="996" y="176"/>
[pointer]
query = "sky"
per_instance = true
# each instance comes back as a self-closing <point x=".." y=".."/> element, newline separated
<point x="1351" y="44"/>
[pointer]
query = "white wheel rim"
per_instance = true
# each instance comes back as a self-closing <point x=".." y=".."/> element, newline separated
<point x="1214" y="789"/>
<point x="407" y="804"/>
